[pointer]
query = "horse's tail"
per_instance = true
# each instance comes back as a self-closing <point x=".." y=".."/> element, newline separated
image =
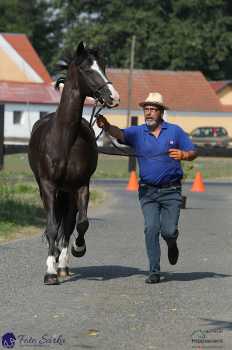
<point x="60" y="235"/>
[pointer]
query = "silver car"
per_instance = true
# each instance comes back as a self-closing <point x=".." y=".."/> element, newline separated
<point x="210" y="136"/>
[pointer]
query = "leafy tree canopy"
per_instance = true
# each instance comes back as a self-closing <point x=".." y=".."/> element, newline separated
<point x="170" y="34"/>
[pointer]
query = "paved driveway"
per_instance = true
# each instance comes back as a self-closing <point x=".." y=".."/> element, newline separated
<point x="106" y="305"/>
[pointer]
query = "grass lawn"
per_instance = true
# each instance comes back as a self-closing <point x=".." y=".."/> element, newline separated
<point x="210" y="168"/>
<point x="21" y="211"/>
<point x="17" y="168"/>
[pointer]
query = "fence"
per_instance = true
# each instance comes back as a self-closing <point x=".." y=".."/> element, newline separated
<point x="2" y="107"/>
<point x="124" y="151"/>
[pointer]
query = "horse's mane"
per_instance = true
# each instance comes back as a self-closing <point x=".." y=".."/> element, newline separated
<point x="63" y="65"/>
<point x="59" y="81"/>
<point x="66" y="60"/>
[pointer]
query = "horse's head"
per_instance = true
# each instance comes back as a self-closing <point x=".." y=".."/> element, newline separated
<point x="92" y="77"/>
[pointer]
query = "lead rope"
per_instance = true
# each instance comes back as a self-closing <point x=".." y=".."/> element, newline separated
<point x="93" y="112"/>
<point x="93" y="115"/>
<point x="130" y="154"/>
<point x="124" y="153"/>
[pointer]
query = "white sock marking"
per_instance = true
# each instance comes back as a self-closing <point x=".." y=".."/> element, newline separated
<point x="51" y="264"/>
<point x="63" y="258"/>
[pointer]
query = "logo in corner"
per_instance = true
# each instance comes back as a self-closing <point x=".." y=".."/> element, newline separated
<point x="199" y="334"/>
<point x="8" y="340"/>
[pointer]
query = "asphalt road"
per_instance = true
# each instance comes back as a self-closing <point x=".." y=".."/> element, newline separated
<point x="105" y="304"/>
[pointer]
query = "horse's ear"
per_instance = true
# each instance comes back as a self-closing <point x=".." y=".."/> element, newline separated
<point x="80" y="48"/>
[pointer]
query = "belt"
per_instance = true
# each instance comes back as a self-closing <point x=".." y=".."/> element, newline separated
<point x="169" y="184"/>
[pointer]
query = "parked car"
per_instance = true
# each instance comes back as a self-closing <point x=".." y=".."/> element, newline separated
<point x="211" y="136"/>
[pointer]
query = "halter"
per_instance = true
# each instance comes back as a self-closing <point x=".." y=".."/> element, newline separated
<point x="97" y="99"/>
<point x="96" y="93"/>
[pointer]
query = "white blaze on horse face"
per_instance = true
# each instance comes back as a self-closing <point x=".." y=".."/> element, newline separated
<point x="114" y="93"/>
<point x="63" y="258"/>
<point x="51" y="264"/>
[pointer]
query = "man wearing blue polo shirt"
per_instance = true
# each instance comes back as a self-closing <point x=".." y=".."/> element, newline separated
<point x="159" y="147"/>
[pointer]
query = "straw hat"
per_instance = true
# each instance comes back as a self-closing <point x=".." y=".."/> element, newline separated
<point x="154" y="98"/>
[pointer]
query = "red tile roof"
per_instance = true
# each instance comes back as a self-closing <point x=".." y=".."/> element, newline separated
<point x="182" y="90"/>
<point x="41" y="93"/>
<point x="16" y="92"/>
<point x="23" y="46"/>
<point x="220" y="84"/>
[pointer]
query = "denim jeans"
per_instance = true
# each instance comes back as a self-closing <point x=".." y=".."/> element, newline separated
<point x="161" y="211"/>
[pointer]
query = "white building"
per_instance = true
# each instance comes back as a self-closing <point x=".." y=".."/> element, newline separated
<point x="26" y="88"/>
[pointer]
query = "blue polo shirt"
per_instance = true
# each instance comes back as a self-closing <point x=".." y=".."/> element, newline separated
<point x="155" y="165"/>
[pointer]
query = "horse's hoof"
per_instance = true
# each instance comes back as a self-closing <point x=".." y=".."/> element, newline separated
<point x="77" y="251"/>
<point x="63" y="272"/>
<point x="51" y="279"/>
<point x="57" y="254"/>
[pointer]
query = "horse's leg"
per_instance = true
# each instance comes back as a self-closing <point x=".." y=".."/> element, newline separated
<point x="57" y="251"/>
<point x="62" y="209"/>
<point x="79" y="247"/>
<point x="66" y="230"/>
<point x="49" y="196"/>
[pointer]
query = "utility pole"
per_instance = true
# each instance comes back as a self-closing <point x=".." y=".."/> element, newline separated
<point x="132" y="55"/>
<point x="1" y="136"/>
<point x="134" y="121"/>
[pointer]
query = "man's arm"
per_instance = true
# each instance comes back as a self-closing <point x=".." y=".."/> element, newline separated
<point x="184" y="143"/>
<point x="113" y="130"/>
<point x="177" y="154"/>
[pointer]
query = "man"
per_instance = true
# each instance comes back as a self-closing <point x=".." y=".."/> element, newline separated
<point x="159" y="147"/>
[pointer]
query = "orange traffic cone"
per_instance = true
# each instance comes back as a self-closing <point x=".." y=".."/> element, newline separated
<point x="133" y="182"/>
<point x="198" y="185"/>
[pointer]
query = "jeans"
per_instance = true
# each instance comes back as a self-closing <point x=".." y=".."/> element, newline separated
<point x="161" y="211"/>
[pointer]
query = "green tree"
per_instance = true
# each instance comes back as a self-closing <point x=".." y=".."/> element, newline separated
<point x="171" y="34"/>
<point x="198" y="37"/>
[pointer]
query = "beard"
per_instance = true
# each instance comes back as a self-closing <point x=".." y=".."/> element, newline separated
<point x="153" y="123"/>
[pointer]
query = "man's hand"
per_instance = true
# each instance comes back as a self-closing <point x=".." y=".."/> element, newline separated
<point x="113" y="130"/>
<point x="177" y="154"/>
<point x="102" y="122"/>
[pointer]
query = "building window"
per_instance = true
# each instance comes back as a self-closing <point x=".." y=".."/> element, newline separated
<point x="17" y="117"/>
<point x="42" y="114"/>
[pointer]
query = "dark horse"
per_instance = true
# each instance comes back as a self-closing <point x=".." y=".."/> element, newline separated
<point x="63" y="156"/>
